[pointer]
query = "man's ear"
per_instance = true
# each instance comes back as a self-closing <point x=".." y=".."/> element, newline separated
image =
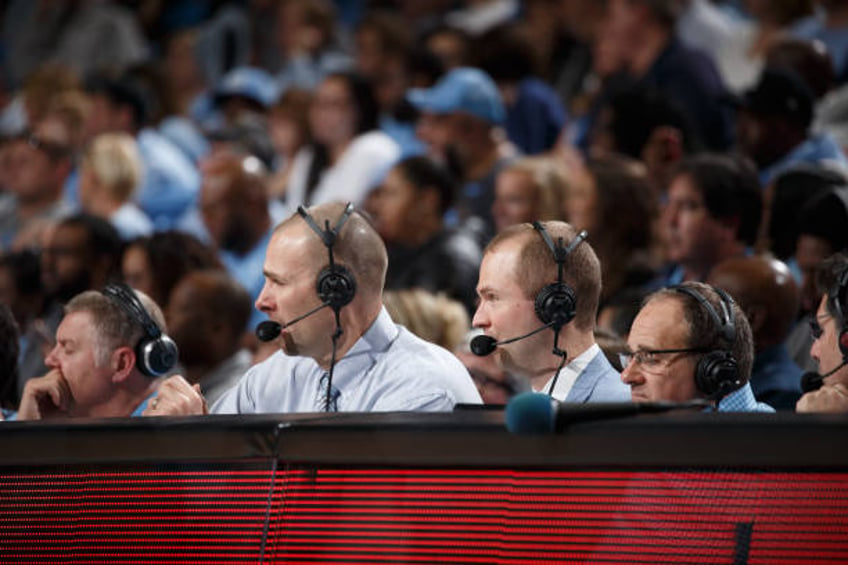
<point x="122" y="363"/>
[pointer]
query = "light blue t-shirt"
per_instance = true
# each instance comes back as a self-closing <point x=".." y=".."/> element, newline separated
<point x="387" y="369"/>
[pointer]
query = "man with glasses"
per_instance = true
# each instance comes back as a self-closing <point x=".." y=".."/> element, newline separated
<point x="691" y="342"/>
<point x="830" y="340"/>
<point x="41" y="161"/>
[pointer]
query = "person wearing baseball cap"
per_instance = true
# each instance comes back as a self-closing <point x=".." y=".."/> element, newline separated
<point x="461" y="123"/>
<point x="774" y="122"/>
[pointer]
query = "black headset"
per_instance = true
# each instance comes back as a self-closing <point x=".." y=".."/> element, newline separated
<point x="336" y="285"/>
<point x="717" y="372"/>
<point x="836" y="295"/>
<point x="556" y="303"/>
<point x="155" y="353"/>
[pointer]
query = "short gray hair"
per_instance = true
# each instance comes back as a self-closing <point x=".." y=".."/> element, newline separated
<point x="114" y="327"/>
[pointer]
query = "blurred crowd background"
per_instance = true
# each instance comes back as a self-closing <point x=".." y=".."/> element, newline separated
<point x="159" y="142"/>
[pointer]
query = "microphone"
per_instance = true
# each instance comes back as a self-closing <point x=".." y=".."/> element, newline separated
<point x="483" y="345"/>
<point x="811" y="380"/>
<point x="269" y="329"/>
<point x="534" y="413"/>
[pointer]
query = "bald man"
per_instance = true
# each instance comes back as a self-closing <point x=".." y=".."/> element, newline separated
<point x="235" y="211"/>
<point x="766" y="291"/>
<point x="375" y="364"/>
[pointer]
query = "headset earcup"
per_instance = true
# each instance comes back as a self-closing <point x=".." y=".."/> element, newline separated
<point x="156" y="357"/>
<point x="717" y="374"/>
<point x="555" y="303"/>
<point x="843" y="343"/>
<point x="336" y="286"/>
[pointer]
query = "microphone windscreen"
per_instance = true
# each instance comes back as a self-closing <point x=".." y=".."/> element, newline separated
<point x="530" y="413"/>
<point x="268" y="330"/>
<point x="811" y="381"/>
<point x="483" y="345"/>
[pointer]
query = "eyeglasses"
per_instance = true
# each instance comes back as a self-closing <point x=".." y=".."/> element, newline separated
<point x="815" y="326"/>
<point x="651" y="357"/>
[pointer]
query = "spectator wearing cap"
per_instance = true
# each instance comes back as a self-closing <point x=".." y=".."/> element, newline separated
<point x="41" y="163"/>
<point x="773" y="125"/>
<point x="239" y="121"/>
<point x="244" y="90"/>
<point x="462" y="119"/>
<point x="170" y="180"/>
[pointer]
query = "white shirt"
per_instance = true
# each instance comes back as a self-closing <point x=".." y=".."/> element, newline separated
<point x="357" y="171"/>
<point x="568" y="375"/>
<point x="387" y="369"/>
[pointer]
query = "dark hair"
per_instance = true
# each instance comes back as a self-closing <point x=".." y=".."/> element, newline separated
<point x="25" y="268"/>
<point x="172" y="254"/>
<point x="367" y="119"/>
<point x="792" y="190"/>
<point x="808" y="58"/>
<point x="828" y="274"/>
<point x="9" y="351"/>
<point x="825" y="215"/>
<point x="666" y="12"/>
<point x="639" y="110"/>
<point x="625" y="305"/>
<point x="624" y="241"/>
<point x="391" y="29"/>
<point x="702" y="330"/>
<point x="422" y="172"/>
<point x="505" y="54"/>
<point x="102" y="238"/>
<point x="124" y="91"/>
<point x="362" y="91"/>
<point x="227" y="298"/>
<point x="730" y="189"/>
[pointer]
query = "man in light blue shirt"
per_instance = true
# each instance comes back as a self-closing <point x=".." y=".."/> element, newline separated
<point x="691" y="342"/>
<point x="101" y="364"/>
<point x="373" y="364"/>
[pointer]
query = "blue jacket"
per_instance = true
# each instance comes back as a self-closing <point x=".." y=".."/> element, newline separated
<point x="599" y="382"/>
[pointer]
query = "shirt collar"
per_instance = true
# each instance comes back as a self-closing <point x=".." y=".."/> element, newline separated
<point x="569" y="374"/>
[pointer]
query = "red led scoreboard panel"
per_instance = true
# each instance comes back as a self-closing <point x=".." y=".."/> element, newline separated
<point x="451" y="488"/>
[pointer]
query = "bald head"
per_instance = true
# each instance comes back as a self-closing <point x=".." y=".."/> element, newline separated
<point x="766" y="292"/>
<point x="234" y="201"/>
<point x="358" y="246"/>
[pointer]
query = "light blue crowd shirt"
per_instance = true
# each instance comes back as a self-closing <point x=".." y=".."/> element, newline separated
<point x="387" y="369"/>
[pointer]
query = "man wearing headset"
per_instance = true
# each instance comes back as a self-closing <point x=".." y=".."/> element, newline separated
<point x="538" y="292"/>
<point x="95" y="369"/>
<point x="347" y="356"/>
<point x="830" y="345"/>
<point x="691" y="342"/>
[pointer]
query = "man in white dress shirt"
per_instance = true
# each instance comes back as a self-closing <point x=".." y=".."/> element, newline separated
<point x="376" y="366"/>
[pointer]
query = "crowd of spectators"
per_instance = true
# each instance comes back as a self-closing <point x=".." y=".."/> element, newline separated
<point x="161" y="143"/>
